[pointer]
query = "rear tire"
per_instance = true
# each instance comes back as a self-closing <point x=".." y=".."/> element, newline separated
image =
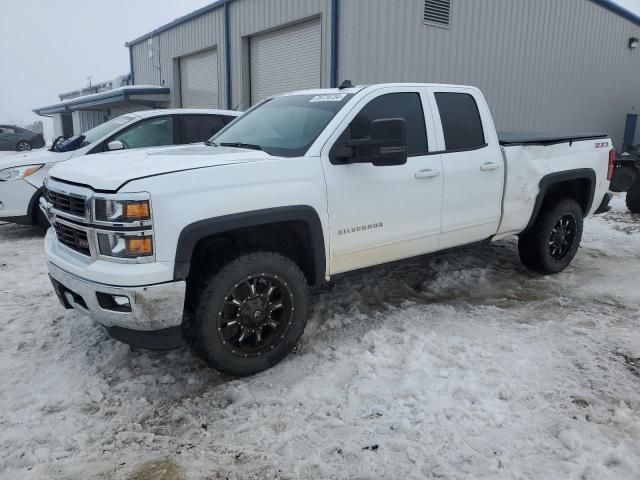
<point x="249" y="314"/>
<point x="551" y="243"/>
<point x="633" y="198"/>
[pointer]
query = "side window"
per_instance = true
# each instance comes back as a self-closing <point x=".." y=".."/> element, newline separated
<point x="394" y="105"/>
<point x="461" y="122"/>
<point x="199" y="128"/>
<point x="228" y="120"/>
<point x="148" y="133"/>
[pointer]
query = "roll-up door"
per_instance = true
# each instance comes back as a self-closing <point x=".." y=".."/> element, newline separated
<point x="285" y="59"/>
<point x="199" y="80"/>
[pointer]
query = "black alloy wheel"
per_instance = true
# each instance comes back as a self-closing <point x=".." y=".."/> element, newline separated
<point x="562" y="236"/>
<point x="256" y="313"/>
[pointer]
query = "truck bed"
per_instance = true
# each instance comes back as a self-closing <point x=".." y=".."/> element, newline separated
<point x="537" y="138"/>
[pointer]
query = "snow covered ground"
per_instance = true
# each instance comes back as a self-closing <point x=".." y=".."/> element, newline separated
<point x="461" y="366"/>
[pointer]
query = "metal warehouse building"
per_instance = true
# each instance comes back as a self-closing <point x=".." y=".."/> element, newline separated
<point x="544" y="65"/>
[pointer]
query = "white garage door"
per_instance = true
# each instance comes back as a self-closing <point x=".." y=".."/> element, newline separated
<point x="285" y="59"/>
<point x="199" y="80"/>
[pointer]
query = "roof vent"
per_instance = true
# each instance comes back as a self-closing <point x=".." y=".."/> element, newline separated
<point x="437" y="12"/>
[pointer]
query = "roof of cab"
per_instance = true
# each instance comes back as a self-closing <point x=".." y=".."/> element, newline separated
<point x="184" y="111"/>
<point x="359" y="88"/>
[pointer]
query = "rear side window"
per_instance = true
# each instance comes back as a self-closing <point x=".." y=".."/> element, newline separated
<point x="461" y="122"/>
<point x="200" y="128"/>
<point x="394" y="105"/>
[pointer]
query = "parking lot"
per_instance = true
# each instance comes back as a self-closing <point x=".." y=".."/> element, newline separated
<point x="464" y="365"/>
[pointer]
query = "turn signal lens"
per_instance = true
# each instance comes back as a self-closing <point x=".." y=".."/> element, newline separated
<point x="136" y="211"/>
<point x="139" y="246"/>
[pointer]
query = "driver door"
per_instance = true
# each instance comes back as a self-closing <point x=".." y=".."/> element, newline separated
<point x="379" y="214"/>
<point x="150" y="132"/>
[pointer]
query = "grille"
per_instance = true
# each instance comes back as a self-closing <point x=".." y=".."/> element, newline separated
<point x="66" y="203"/>
<point x="437" y="12"/>
<point x="73" y="238"/>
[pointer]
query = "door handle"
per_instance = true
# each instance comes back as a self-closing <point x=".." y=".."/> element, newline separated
<point x="488" y="166"/>
<point x="427" y="174"/>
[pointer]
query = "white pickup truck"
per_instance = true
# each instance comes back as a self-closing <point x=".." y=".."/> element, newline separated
<point x="217" y="244"/>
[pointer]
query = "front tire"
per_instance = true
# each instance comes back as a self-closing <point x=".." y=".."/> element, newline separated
<point x="551" y="243"/>
<point x="249" y="314"/>
<point x="633" y="198"/>
<point x="23" y="146"/>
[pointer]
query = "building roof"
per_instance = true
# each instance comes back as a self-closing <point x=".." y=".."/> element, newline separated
<point x="109" y="97"/>
<point x="610" y="5"/>
<point x="178" y="21"/>
<point x="619" y="9"/>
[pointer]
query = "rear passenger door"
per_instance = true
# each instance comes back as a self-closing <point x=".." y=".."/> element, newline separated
<point x="472" y="163"/>
<point x="383" y="213"/>
<point x="195" y="128"/>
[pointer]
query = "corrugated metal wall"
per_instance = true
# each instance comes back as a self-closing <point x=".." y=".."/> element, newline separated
<point x="203" y="32"/>
<point x="248" y="17"/>
<point x="544" y="65"/>
<point x="84" y="120"/>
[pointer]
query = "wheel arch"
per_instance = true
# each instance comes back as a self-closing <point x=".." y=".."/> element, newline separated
<point x="579" y="184"/>
<point x="194" y="233"/>
<point x="34" y="206"/>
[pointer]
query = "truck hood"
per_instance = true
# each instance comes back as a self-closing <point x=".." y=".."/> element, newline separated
<point x="110" y="171"/>
<point x="33" y="158"/>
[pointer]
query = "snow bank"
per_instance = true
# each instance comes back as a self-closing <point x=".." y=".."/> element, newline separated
<point x="462" y="366"/>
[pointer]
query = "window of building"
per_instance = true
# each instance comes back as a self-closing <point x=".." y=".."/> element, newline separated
<point x="461" y="123"/>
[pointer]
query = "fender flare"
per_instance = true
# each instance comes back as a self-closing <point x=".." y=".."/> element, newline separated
<point x="194" y="232"/>
<point x="554" y="178"/>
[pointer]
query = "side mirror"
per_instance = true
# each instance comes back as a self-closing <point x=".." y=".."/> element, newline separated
<point x="115" y="145"/>
<point x="386" y="144"/>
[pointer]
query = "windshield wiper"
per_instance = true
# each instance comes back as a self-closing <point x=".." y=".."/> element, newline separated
<point x="250" y="146"/>
<point x="209" y="143"/>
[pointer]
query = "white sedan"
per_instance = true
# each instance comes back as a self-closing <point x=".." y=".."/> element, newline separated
<point x="21" y="176"/>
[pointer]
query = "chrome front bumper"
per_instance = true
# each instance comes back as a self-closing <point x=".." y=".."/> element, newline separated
<point x="152" y="307"/>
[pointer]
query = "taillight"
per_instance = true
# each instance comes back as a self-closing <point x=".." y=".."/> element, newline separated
<point x="612" y="162"/>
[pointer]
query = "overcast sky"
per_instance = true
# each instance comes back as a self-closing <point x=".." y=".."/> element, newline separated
<point x="51" y="46"/>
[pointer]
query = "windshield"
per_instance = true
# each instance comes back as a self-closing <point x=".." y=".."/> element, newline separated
<point x="94" y="134"/>
<point x="284" y="126"/>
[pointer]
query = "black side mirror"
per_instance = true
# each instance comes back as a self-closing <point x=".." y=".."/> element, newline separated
<point x="386" y="144"/>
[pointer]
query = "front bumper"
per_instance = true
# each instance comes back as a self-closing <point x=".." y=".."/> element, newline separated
<point x="151" y="307"/>
<point x="15" y="198"/>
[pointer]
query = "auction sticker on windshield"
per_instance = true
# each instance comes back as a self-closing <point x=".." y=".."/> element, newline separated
<point x="334" y="97"/>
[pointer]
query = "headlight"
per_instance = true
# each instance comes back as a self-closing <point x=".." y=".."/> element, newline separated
<point x="122" y="211"/>
<point x="16" y="173"/>
<point x="125" y="246"/>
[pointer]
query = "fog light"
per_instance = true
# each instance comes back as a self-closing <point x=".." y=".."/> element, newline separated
<point x="115" y="303"/>
<point x="121" y="301"/>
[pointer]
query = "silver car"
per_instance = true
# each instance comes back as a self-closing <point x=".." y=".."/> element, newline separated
<point x="19" y="139"/>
